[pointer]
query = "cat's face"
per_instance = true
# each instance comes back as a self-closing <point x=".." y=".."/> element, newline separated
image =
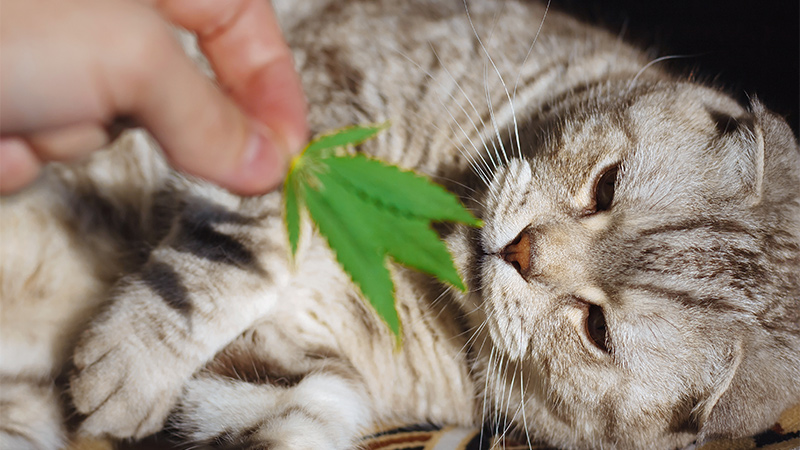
<point x="618" y="270"/>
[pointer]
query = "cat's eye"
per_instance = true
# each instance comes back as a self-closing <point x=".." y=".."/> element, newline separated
<point x="604" y="189"/>
<point x="596" y="327"/>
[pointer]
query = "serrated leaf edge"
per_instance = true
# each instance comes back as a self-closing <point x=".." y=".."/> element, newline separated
<point x="376" y="129"/>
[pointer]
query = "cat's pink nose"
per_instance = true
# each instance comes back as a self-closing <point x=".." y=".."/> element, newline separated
<point x="518" y="253"/>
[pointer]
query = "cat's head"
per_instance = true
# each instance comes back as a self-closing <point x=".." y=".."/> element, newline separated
<point x="638" y="273"/>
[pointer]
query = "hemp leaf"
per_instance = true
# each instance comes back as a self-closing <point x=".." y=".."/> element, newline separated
<point x="367" y="211"/>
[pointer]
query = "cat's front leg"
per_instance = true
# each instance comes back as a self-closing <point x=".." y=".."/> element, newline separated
<point x="266" y="391"/>
<point x="215" y="274"/>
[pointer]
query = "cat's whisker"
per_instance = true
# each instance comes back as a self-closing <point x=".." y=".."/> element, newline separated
<point x="471" y="199"/>
<point x="473" y="334"/>
<point x="434" y="302"/>
<point x="485" y="394"/>
<point x="482" y="174"/>
<point x="496" y="163"/>
<point x="483" y="342"/>
<point x="485" y="177"/>
<point x="632" y="83"/>
<point x="502" y="81"/>
<point x="500" y="384"/>
<point x="510" y="393"/>
<point x="485" y="338"/>
<point x="499" y="387"/>
<point x="471" y="159"/>
<point x="509" y="425"/>
<point x="472" y="105"/>
<point x="523" y="406"/>
<point x="510" y="421"/>
<point x="519" y="75"/>
<point x="504" y="60"/>
<point x="530" y="50"/>
<point x="496" y="145"/>
<point x="457" y="103"/>
<point x="443" y="180"/>
<point x="492" y="117"/>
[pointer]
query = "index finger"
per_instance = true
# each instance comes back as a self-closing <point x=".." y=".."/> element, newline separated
<point x="243" y="42"/>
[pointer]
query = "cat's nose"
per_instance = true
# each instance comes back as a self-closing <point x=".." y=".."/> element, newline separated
<point x="518" y="253"/>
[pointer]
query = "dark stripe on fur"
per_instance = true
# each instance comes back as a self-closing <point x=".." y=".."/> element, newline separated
<point x="99" y="220"/>
<point x="345" y="77"/>
<point x="236" y="439"/>
<point x="167" y="284"/>
<point x="243" y="365"/>
<point x="711" y="224"/>
<point x="197" y="236"/>
<point x="688" y="299"/>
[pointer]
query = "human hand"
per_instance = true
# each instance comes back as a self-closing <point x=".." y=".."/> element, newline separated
<point x="69" y="68"/>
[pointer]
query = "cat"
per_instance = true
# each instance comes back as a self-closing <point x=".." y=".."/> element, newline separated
<point x="635" y="284"/>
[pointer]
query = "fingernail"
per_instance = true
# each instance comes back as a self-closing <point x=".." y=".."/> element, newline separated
<point x="262" y="167"/>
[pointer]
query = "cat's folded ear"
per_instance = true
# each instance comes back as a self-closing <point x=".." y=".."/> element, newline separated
<point x="752" y="147"/>
<point x="782" y="154"/>
<point x="706" y="417"/>
<point x="754" y="383"/>
<point x="739" y="144"/>
<point x="734" y="404"/>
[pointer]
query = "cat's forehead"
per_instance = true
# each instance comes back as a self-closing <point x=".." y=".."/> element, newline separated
<point x="678" y="116"/>
<point x="669" y="129"/>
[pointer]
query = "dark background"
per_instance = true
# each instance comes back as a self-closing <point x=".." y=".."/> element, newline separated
<point x="747" y="48"/>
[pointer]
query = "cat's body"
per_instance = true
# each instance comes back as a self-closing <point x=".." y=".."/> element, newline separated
<point x="692" y="261"/>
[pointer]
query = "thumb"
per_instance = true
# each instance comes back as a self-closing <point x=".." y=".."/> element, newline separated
<point x="202" y="130"/>
<point x="80" y="64"/>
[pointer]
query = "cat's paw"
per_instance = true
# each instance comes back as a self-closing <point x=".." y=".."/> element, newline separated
<point x="30" y="416"/>
<point x="120" y="391"/>
<point x="322" y="411"/>
<point x="125" y="384"/>
<point x="297" y="430"/>
<point x="293" y="429"/>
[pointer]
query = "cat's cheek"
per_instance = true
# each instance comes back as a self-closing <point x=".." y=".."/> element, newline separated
<point x="512" y="307"/>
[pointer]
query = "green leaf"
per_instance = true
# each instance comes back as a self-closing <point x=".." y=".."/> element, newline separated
<point x="343" y="137"/>
<point x="368" y="212"/>
<point x="406" y="238"/>
<point x="292" y="212"/>
<point x="334" y="210"/>
<point x="404" y="191"/>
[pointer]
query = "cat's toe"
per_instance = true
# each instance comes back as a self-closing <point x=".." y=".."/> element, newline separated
<point x="121" y="388"/>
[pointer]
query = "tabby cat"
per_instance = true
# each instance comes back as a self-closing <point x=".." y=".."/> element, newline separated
<point x="636" y="283"/>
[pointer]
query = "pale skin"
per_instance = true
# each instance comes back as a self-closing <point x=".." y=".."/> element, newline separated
<point x="68" y="69"/>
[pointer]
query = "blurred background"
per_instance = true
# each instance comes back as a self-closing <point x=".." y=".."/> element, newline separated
<point x="747" y="48"/>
